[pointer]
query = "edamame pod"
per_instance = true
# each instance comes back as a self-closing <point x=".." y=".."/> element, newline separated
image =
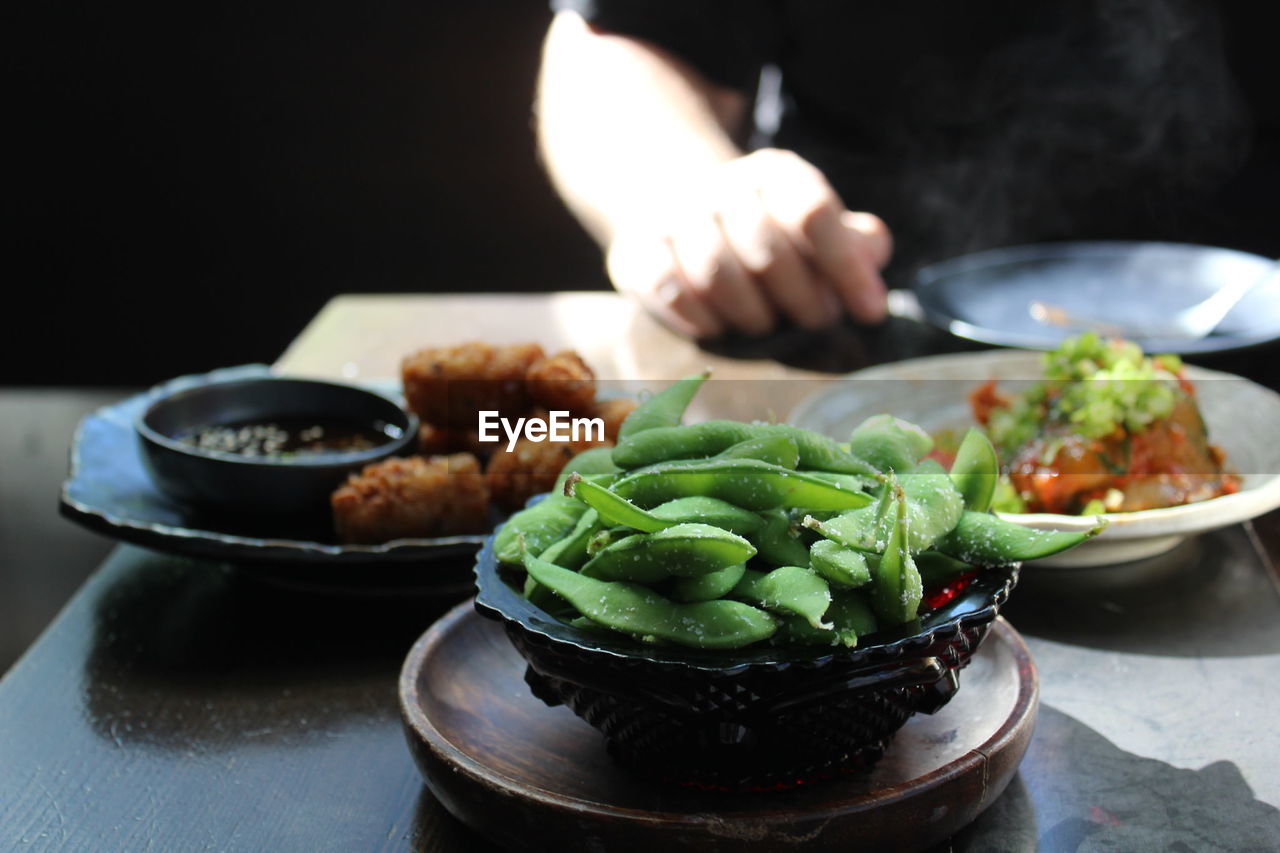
<point x="685" y="550"/>
<point x="747" y="483"/>
<point x="642" y="613"/>
<point x="936" y="567"/>
<point x="709" y="586"/>
<point x="696" y="441"/>
<point x="699" y="509"/>
<point x="571" y="551"/>
<point x="787" y="589"/>
<point x="541" y="525"/>
<point x="933" y="506"/>
<point x="988" y="540"/>
<point x="976" y="470"/>
<point x="778" y="541"/>
<point x="841" y="566"/>
<point x="709" y="438"/>
<point x="886" y="444"/>
<point x="848" y="614"/>
<point x="778" y="450"/>
<point x="594" y="462"/>
<point x="896" y="586"/>
<point x="615" y="509"/>
<point x="663" y="409"/>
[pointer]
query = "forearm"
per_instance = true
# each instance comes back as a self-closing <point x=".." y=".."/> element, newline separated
<point x="621" y="124"/>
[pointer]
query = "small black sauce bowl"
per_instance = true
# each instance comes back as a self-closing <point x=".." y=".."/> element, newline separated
<point x="233" y="484"/>
<point x="756" y="719"/>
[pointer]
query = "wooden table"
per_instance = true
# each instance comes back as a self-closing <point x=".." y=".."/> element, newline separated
<point x="177" y="704"/>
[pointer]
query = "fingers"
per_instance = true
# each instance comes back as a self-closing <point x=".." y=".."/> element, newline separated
<point x="644" y="266"/>
<point x="768" y="237"/>
<point x="877" y="239"/>
<point x="847" y="249"/>
<point x="768" y="255"/>
<point x="710" y="268"/>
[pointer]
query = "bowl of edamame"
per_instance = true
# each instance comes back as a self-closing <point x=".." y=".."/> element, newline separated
<point x="754" y="606"/>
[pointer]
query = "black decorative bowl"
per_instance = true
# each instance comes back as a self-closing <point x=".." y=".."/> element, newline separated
<point x="762" y="718"/>
<point x="231" y="483"/>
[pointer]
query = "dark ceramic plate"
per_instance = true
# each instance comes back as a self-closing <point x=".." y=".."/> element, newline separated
<point x="984" y="296"/>
<point x="108" y="490"/>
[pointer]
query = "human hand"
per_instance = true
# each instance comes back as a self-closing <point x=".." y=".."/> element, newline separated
<point x="765" y="237"/>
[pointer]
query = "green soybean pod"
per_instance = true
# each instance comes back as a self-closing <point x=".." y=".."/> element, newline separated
<point x="747" y="483"/>
<point x="787" y="589"/>
<point x="664" y="408"/>
<point x="933" y="504"/>
<point x="778" y="541"/>
<point x="780" y="450"/>
<point x="850" y="617"/>
<point x="976" y="470"/>
<point x="605" y="537"/>
<point x="685" y="550"/>
<point x="698" y="509"/>
<point x="820" y="453"/>
<point x="540" y="525"/>
<point x="855" y="529"/>
<point x="841" y="566"/>
<point x="709" y="586"/>
<point x="709" y="438"/>
<point x="613" y="508"/>
<point x="988" y="540"/>
<point x="936" y="567"/>
<point x="594" y="462"/>
<point x="641" y="612"/>
<point x="896" y="586"/>
<point x="571" y="551"/>
<point x="887" y="444"/>
<point x="696" y="441"/>
<point x="852" y="482"/>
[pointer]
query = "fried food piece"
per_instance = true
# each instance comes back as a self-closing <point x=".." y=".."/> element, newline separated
<point x="530" y="468"/>
<point x="449" y="386"/>
<point x="562" y="382"/>
<point x="412" y="497"/>
<point x="435" y="441"/>
<point x="613" y="413"/>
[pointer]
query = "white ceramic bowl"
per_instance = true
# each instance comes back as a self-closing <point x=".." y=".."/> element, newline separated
<point x="933" y="392"/>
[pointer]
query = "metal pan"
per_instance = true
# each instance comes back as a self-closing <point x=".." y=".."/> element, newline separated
<point x="985" y="296"/>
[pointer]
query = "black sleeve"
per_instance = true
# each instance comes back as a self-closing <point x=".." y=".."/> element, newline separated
<point x="725" y="40"/>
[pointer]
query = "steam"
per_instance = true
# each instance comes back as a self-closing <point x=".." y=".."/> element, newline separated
<point x="1112" y="104"/>
<point x="1135" y="106"/>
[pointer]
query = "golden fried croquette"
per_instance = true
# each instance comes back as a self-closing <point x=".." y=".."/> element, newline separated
<point x="562" y="382"/>
<point x="528" y="469"/>
<point x="434" y="441"/>
<point x="412" y="497"/>
<point x="449" y="386"/>
<point x="613" y="412"/>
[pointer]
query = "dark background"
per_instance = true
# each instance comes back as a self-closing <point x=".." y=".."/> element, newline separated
<point x="187" y="184"/>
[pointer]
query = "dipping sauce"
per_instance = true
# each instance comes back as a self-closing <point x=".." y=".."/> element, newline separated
<point x="286" y="437"/>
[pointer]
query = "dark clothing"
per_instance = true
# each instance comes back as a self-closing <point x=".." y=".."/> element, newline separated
<point x="980" y="124"/>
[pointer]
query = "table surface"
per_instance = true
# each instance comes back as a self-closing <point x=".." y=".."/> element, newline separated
<point x="177" y="704"/>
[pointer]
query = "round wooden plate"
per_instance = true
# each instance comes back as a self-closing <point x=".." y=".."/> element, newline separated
<point x="531" y="777"/>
